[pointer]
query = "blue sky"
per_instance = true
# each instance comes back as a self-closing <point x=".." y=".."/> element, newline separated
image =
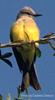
<point x="10" y="78"/>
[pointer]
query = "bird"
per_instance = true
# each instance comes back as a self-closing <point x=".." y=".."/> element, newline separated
<point x="25" y="29"/>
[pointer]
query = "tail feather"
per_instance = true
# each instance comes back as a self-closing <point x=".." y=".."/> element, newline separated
<point x="25" y="81"/>
<point x="30" y="78"/>
<point x="33" y="79"/>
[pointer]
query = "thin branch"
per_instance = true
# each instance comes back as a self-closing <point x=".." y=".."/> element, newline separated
<point x="19" y="44"/>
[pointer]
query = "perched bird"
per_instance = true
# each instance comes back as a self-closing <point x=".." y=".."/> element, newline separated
<point x="25" y="29"/>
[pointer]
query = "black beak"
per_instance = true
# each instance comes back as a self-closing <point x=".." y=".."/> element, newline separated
<point x="37" y="15"/>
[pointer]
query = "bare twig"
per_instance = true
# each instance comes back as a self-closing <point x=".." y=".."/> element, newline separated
<point x="19" y="44"/>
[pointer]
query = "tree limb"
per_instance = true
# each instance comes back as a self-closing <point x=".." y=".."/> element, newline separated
<point x="19" y="44"/>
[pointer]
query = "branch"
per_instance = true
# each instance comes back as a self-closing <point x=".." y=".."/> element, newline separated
<point x="19" y="44"/>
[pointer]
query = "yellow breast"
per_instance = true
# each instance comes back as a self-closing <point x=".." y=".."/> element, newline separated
<point x="17" y="31"/>
<point x="32" y="30"/>
<point x="25" y="29"/>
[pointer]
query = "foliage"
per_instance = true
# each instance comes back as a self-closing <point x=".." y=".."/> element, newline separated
<point x="5" y="56"/>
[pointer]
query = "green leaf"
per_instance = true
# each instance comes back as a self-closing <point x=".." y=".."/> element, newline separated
<point x="51" y="45"/>
<point x="38" y="52"/>
<point x="7" y="55"/>
<point x="43" y="41"/>
<point x="48" y="35"/>
<point x="7" y="61"/>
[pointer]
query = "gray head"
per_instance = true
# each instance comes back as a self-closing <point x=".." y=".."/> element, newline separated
<point x="28" y="11"/>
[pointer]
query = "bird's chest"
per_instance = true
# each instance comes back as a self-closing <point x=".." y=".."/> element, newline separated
<point x="17" y="32"/>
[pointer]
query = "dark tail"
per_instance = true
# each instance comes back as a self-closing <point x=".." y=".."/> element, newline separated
<point x="25" y="81"/>
<point x="31" y="78"/>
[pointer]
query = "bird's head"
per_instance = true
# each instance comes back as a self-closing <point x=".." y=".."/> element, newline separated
<point x="28" y="11"/>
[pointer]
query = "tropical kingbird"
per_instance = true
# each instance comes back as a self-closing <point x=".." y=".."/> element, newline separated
<point x="25" y="29"/>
